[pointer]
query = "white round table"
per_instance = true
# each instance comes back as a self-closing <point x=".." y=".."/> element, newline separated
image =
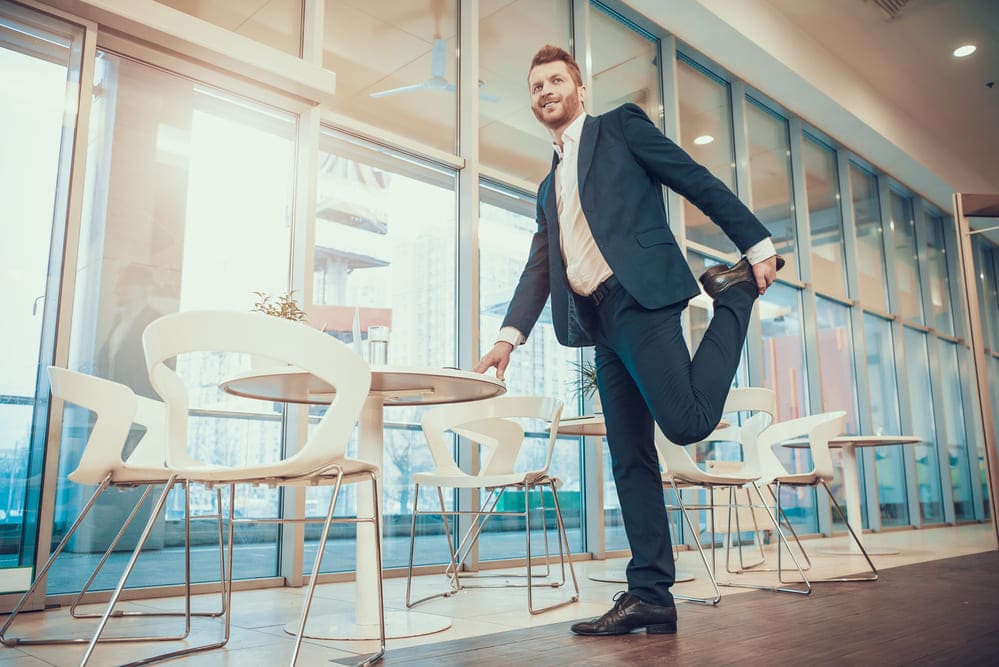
<point x="851" y="484"/>
<point x="390" y="386"/>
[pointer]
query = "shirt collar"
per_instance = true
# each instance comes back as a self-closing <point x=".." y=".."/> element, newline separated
<point x="572" y="133"/>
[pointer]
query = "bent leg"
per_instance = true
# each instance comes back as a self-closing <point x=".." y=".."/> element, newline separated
<point x="685" y="396"/>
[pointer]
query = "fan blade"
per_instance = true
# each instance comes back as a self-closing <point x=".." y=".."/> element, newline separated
<point x="438" y="58"/>
<point x="401" y="89"/>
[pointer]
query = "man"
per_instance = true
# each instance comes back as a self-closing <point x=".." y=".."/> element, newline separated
<point x="605" y="255"/>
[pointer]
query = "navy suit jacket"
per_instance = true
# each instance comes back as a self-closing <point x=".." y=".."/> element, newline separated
<point x="623" y="161"/>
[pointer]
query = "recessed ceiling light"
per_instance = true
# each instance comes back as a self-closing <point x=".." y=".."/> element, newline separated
<point x="965" y="51"/>
<point x="704" y="139"/>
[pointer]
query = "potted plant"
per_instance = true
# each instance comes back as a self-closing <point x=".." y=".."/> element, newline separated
<point x="283" y="306"/>
<point x="585" y="384"/>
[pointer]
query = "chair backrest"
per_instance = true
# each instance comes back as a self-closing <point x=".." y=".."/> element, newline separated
<point x="490" y="424"/>
<point x="760" y="401"/>
<point x="256" y="334"/>
<point x="818" y="428"/>
<point x="116" y="408"/>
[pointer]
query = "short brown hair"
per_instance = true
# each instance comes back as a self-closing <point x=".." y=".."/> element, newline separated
<point x="550" y="54"/>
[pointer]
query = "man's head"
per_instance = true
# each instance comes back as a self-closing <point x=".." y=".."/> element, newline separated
<point x="556" y="87"/>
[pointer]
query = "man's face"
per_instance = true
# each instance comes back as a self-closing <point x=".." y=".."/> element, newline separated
<point x="556" y="100"/>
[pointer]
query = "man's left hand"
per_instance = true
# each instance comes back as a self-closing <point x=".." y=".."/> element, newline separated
<point x="765" y="273"/>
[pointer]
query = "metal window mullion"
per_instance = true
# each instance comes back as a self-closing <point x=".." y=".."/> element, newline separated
<point x="291" y="538"/>
<point x="940" y="418"/>
<point x="467" y="215"/>
<point x="743" y="184"/>
<point x="809" y="304"/>
<point x="67" y="290"/>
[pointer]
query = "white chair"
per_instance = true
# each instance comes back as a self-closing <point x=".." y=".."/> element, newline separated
<point x="818" y="429"/>
<point x="116" y="409"/>
<point x="321" y="460"/>
<point x="491" y="424"/>
<point x="683" y="470"/>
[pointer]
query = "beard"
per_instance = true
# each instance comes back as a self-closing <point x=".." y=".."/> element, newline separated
<point x="566" y="110"/>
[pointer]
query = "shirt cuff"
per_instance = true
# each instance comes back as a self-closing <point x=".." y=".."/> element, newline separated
<point x="761" y="251"/>
<point x="510" y="335"/>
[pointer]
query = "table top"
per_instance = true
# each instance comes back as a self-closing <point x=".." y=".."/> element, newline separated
<point x="593" y="425"/>
<point x="860" y="441"/>
<point x="393" y="384"/>
<point x="584" y="425"/>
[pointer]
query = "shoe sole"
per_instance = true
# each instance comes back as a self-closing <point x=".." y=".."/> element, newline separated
<point x="657" y="629"/>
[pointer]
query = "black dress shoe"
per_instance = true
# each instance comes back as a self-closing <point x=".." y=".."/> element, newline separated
<point x="720" y="278"/>
<point x="630" y="613"/>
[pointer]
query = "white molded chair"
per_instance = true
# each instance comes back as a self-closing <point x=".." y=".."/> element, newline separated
<point x="819" y="429"/>
<point x="116" y="409"/>
<point x="491" y="424"/>
<point x="682" y="470"/>
<point x="321" y="460"/>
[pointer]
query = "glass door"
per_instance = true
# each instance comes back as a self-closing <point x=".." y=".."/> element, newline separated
<point x="40" y="67"/>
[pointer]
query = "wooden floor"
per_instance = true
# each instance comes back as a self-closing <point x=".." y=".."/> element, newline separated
<point x="941" y="612"/>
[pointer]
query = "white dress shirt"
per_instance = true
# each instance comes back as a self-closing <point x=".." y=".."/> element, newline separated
<point x="585" y="266"/>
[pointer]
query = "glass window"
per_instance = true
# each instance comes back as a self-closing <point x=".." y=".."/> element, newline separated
<point x="706" y="134"/>
<point x="835" y="343"/>
<point x="770" y="177"/>
<point x="396" y="66"/>
<point x="276" y="23"/>
<point x="825" y="220"/>
<point x="986" y="264"/>
<point x="903" y="228"/>
<point x="381" y="261"/>
<point x="625" y="65"/>
<point x="40" y="60"/>
<point x="515" y="142"/>
<point x="839" y="383"/>
<point x="539" y="367"/>
<point x="890" y="472"/>
<point x="872" y="290"/>
<point x="938" y="234"/>
<point x="784" y="368"/>
<point x="952" y="403"/>
<point x="923" y="426"/>
<point x="189" y="198"/>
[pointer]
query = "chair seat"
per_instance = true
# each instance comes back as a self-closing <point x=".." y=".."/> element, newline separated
<point x="799" y="479"/>
<point x="271" y="473"/>
<point x="473" y="481"/>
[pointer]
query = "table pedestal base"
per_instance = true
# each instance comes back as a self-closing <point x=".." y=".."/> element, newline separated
<point x="854" y="551"/>
<point x="616" y="576"/>
<point x="344" y="626"/>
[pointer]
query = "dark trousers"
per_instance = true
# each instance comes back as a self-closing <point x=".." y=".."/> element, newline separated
<point x="645" y="375"/>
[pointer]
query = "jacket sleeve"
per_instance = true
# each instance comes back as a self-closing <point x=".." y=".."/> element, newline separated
<point x="674" y="168"/>
<point x="532" y="290"/>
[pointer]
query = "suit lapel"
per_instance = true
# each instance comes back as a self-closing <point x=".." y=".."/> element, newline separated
<point x="587" y="144"/>
<point x="550" y="204"/>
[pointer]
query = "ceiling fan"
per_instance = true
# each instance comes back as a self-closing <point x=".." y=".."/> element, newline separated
<point x="437" y="80"/>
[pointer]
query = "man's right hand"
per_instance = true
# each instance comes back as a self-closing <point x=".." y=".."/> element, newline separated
<point x="498" y="358"/>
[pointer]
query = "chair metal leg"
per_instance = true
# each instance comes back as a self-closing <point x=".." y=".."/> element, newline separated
<point x="873" y="576"/>
<point x="565" y="555"/>
<point x="226" y="592"/>
<point x="102" y="487"/>
<point x="782" y="541"/>
<point x="320" y="549"/>
<point x="107" y="554"/>
<point x="700" y="550"/>
<point x="14" y="641"/>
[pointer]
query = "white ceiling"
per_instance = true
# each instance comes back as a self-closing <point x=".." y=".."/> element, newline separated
<point x="908" y="60"/>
